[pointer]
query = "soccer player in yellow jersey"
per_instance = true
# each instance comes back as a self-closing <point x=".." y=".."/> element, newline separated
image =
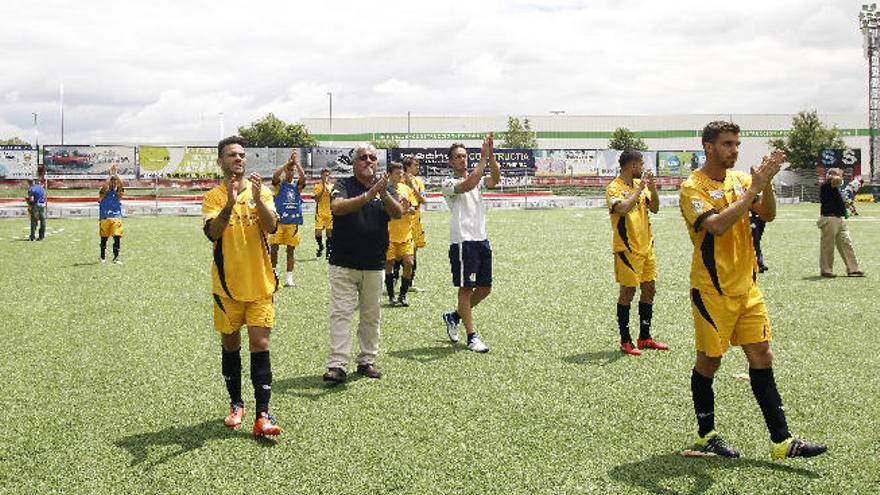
<point x="629" y="199"/>
<point x="239" y="215"/>
<point x="727" y="306"/>
<point x="417" y="185"/>
<point x="400" y="245"/>
<point x="323" y="217"/>
<point x="288" y="205"/>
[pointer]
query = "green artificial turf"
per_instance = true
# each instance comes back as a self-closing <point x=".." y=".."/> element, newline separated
<point x="110" y="374"/>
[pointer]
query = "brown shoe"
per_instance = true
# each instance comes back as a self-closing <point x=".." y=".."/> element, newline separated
<point x="369" y="370"/>
<point x="335" y="375"/>
<point x="827" y="275"/>
<point x="855" y="274"/>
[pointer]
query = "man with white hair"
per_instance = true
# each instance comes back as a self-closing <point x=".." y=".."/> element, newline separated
<point x="362" y="205"/>
<point x="834" y="231"/>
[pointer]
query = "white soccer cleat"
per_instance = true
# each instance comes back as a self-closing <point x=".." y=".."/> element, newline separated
<point x="289" y="282"/>
<point x="476" y="344"/>
<point x="451" y="327"/>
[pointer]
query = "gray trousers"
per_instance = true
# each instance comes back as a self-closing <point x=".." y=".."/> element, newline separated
<point x="38" y="214"/>
<point x="350" y="289"/>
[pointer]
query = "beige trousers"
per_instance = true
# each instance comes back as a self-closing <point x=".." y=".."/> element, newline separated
<point x="835" y="233"/>
<point x="349" y="289"/>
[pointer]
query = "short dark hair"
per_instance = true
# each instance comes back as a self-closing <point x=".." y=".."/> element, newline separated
<point x="455" y="145"/>
<point x="325" y="169"/>
<point x="715" y="128"/>
<point x="230" y="140"/>
<point x="409" y="160"/>
<point x="392" y="166"/>
<point x="629" y="156"/>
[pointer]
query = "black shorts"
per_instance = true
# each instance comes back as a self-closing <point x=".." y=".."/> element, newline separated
<point x="471" y="263"/>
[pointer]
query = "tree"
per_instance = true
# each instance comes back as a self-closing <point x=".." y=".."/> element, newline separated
<point x="519" y="135"/>
<point x="807" y="136"/>
<point x="624" y="139"/>
<point x="274" y="132"/>
<point x="385" y="143"/>
<point x="13" y="141"/>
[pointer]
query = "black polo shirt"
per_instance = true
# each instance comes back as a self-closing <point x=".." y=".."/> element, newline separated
<point x="360" y="239"/>
<point x="831" y="200"/>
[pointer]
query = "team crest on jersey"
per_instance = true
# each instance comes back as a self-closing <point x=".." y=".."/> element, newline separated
<point x="716" y="194"/>
<point x="738" y="188"/>
<point x="697" y="205"/>
<point x="251" y="203"/>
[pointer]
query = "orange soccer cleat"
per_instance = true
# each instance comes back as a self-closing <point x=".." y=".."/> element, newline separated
<point x="627" y="348"/>
<point x="651" y="344"/>
<point x="266" y="425"/>
<point x="236" y="412"/>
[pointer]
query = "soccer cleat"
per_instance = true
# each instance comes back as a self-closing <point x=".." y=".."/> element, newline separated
<point x="451" y="327"/>
<point x="266" y="425"/>
<point x="627" y="348"/>
<point x="103" y="260"/>
<point x="117" y="261"/>
<point x="318" y="253"/>
<point x="289" y="282"/>
<point x="795" y="447"/>
<point x="651" y="344"/>
<point x="401" y="301"/>
<point x="236" y="412"/>
<point x="391" y="301"/>
<point x="712" y="443"/>
<point x="476" y="344"/>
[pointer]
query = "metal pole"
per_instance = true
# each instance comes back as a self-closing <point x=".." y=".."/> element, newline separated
<point x="330" y="94"/>
<point x="222" y="126"/>
<point x="870" y="103"/>
<point x="36" y="132"/>
<point x="61" y="91"/>
<point x="408" y="144"/>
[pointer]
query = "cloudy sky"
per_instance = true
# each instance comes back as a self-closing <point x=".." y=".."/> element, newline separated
<point x="163" y="71"/>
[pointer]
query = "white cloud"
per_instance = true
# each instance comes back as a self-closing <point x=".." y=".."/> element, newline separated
<point x="163" y="70"/>
<point x="395" y="86"/>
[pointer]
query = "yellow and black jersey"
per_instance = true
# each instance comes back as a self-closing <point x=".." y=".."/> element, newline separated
<point x="242" y="269"/>
<point x="631" y="231"/>
<point x="400" y="229"/>
<point x="323" y="203"/>
<point x="419" y="189"/>
<point x="725" y="264"/>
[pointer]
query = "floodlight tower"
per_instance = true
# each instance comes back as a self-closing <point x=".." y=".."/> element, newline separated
<point x="869" y="23"/>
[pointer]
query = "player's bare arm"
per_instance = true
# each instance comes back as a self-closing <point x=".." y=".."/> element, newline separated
<point x="625" y="206"/>
<point x="268" y="218"/>
<point x="408" y="180"/>
<point x="392" y="206"/>
<point x="217" y="225"/>
<point x="651" y="185"/>
<point x="300" y="173"/>
<point x="765" y="207"/>
<point x="720" y="223"/>
<point x="476" y="174"/>
<point x="494" y="169"/>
